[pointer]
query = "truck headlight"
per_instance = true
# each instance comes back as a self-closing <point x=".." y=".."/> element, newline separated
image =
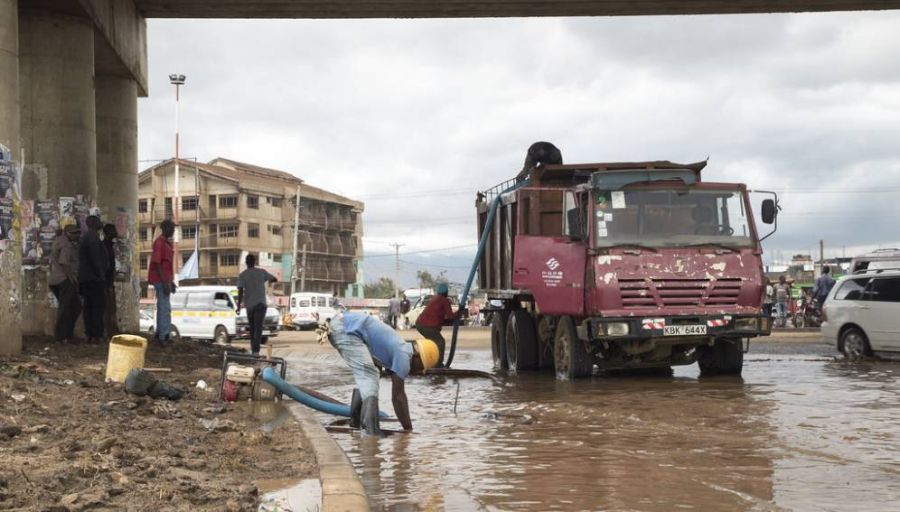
<point x="745" y="324"/>
<point x="617" y="329"/>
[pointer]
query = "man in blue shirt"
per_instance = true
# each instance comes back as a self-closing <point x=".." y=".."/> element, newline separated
<point x="824" y="284"/>
<point x="361" y="340"/>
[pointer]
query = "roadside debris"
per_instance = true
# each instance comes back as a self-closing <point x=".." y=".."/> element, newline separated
<point x="140" y="382"/>
<point x="92" y="445"/>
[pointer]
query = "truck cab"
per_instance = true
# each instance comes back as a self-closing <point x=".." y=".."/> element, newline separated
<point x="622" y="265"/>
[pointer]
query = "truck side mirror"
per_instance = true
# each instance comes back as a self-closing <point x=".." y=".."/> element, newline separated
<point x="576" y="232"/>
<point x="769" y="211"/>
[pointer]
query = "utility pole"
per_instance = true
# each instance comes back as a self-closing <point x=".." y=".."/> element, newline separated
<point x="396" y="269"/>
<point x="303" y="271"/>
<point x="821" y="256"/>
<point x="294" y="246"/>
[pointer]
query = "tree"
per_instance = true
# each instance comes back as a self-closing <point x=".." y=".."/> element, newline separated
<point x="426" y="280"/>
<point x="381" y="289"/>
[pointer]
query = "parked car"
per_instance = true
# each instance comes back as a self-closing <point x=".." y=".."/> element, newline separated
<point x="208" y="313"/>
<point x="309" y="309"/>
<point x="878" y="259"/>
<point x="862" y="313"/>
<point x="147" y="322"/>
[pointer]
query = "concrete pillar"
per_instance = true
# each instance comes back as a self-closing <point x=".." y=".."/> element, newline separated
<point x="58" y="130"/>
<point x="117" y="180"/>
<point x="11" y="258"/>
<point x="56" y="70"/>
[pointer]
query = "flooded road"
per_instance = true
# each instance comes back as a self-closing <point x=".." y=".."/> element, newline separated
<point x="800" y="431"/>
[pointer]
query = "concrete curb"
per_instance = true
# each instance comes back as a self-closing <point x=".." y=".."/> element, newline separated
<point x="342" y="491"/>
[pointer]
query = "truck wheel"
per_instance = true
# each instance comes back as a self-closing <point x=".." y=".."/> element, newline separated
<point x="726" y="357"/>
<point x="521" y="343"/>
<point x="546" y="330"/>
<point x="221" y="336"/>
<point x="498" y="340"/>
<point x="570" y="358"/>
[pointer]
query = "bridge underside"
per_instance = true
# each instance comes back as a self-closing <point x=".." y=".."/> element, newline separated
<point x="70" y="75"/>
<point x="484" y="9"/>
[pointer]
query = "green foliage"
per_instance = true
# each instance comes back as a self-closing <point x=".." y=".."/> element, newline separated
<point x="426" y="280"/>
<point x="381" y="289"/>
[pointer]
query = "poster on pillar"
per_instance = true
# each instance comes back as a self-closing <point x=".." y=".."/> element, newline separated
<point x="9" y="194"/>
<point x="7" y="218"/>
<point x="8" y="181"/>
<point x="67" y="211"/>
<point x="123" y="244"/>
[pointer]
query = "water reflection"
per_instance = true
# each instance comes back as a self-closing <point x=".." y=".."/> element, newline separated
<point x="614" y="443"/>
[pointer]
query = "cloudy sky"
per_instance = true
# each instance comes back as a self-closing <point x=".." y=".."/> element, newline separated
<point x="414" y="116"/>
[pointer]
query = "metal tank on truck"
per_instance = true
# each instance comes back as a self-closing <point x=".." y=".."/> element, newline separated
<point x="621" y="265"/>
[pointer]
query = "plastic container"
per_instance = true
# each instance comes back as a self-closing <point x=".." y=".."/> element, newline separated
<point x="125" y="352"/>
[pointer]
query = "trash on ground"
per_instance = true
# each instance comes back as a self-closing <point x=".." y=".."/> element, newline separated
<point x="143" y="383"/>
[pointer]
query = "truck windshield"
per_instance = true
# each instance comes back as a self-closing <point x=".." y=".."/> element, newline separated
<point x="671" y="218"/>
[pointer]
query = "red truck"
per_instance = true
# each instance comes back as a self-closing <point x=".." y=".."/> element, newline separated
<point x="621" y="265"/>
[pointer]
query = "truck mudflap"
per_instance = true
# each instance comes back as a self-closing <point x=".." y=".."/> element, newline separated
<point x="676" y="328"/>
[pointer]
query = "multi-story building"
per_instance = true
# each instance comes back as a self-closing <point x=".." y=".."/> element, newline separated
<point x="229" y="208"/>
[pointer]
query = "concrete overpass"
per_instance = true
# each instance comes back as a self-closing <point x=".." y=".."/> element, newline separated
<point x="71" y="72"/>
<point x="483" y="8"/>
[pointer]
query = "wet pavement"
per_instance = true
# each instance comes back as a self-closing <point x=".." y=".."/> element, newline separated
<point x="801" y="430"/>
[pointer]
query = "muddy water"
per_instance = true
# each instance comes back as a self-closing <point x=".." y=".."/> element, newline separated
<point x="799" y="432"/>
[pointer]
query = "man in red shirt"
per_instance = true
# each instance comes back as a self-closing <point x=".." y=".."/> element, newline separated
<point x="161" y="276"/>
<point x="437" y="312"/>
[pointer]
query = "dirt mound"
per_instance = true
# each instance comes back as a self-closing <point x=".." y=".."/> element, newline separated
<point x="70" y="441"/>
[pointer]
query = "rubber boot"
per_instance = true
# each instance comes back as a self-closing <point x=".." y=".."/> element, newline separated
<point x="370" y="421"/>
<point x="355" y="409"/>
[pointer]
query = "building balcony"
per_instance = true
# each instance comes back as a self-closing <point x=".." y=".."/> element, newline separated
<point x="220" y="242"/>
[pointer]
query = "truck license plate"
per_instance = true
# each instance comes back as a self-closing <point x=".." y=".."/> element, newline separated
<point x="269" y="333"/>
<point x="684" y="330"/>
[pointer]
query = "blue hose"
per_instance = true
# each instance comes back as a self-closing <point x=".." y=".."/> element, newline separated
<point x="269" y="375"/>
<point x="488" y="224"/>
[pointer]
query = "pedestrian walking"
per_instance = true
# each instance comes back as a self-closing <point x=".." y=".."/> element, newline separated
<point x="436" y="314"/>
<point x="111" y="320"/>
<point x="92" y="266"/>
<point x="161" y="276"/>
<point x="823" y="286"/>
<point x="394" y="312"/>
<point x="769" y="300"/>
<point x="782" y="298"/>
<point x="362" y="340"/>
<point x="252" y="294"/>
<point x="63" y="282"/>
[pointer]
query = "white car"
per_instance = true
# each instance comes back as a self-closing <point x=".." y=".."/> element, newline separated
<point x="147" y="322"/>
<point x="862" y="313"/>
<point x="208" y="312"/>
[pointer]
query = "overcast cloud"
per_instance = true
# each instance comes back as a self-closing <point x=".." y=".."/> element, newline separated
<point x="414" y="116"/>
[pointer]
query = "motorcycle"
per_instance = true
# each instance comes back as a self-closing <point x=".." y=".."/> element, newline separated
<point x="808" y="314"/>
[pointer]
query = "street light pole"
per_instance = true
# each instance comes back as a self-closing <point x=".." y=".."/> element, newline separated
<point x="176" y="80"/>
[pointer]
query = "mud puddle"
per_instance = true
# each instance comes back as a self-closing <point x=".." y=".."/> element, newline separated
<point x="800" y="433"/>
<point x="286" y="495"/>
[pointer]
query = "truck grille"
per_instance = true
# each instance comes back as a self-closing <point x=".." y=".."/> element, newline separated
<point x="642" y="293"/>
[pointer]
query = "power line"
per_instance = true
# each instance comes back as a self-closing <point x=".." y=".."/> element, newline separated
<point x="415" y="194"/>
<point x="424" y="251"/>
<point x="433" y="265"/>
<point x="837" y="191"/>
